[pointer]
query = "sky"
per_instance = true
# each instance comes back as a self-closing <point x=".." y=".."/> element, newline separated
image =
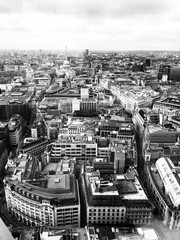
<point x="94" y="24"/>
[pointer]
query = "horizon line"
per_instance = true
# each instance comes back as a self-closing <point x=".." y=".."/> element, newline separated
<point x="91" y="50"/>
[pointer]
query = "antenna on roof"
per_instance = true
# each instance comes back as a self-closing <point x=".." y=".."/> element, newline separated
<point x="65" y="52"/>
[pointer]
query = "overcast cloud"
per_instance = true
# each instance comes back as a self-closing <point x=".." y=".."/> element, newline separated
<point x="93" y="24"/>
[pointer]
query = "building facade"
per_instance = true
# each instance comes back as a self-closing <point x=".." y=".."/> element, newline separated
<point x="81" y="150"/>
<point x="88" y="105"/>
<point x="122" y="130"/>
<point x="52" y="200"/>
<point x="3" y="158"/>
<point x="132" y="99"/>
<point x="162" y="178"/>
<point x="34" y="146"/>
<point x="110" y="202"/>
<point x="16" y="126"/>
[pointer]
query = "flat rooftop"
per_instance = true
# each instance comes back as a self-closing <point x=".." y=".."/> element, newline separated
<point x="56" y="234"/>
<point x="15" y="99"/>
<point x="50" y="167"/>
<point x="126" y="186"/>
<point x="123" y="233"/>
<point x="159" y="183"/>
<point x="60" y="182"/>
<point x="138" y="94"/>
<point x="139" y="194"/>
<point x="131" y="190"/>
<point x="59" y="186"/>
<point x="155" y="128"/>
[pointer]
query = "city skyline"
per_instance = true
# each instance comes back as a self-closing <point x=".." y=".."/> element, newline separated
<point x="91" y="140"/>
<point x="98" y="25"/>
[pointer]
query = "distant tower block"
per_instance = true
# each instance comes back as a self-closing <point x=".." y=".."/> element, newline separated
<point x="148" y="62"/>
<point x="87" y="52"/>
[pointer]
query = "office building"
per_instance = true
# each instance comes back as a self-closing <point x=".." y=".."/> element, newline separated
<point x="75" y="105"/>
<point x="122" y="130"/>
<point x="114" y="156"/>
<point x="34" y="131"/>
<point x="42" y="79"/>
<point x="146" y="115"/>
<point x="158" y="134"/>
<point x="15" y="103"/>
<point x="84" y="93"/>
<point x="119" y="200"/>
<point x="134" y="98"/>
<point x="148" y="62"/>
<point x="88" y="105"/>
<point x="162" y="179"/>
<point x="175" y="74"/>
<point x="87" y="53"/>
<point x="160" y="140"/>
<point x="105" y="83"/>
<point x="75" y="126"/>
<point x="164" y="70"/>
<point x="16" y="126"/>
<point x="67" y="233"/>
<point x="170" y="106"/>
<point x="3" y="158"/>
<point x="119" y="159"/>
<point x="11" y="67"/>
<point x="38" y="129"/>
<point x="34" y="146"/>
<point x="47" y="196"/>
<point x="104" y="148"/>
<point x="104" y="165"/>
<point x="122" y="232"/>
<point x="82" y="148"/>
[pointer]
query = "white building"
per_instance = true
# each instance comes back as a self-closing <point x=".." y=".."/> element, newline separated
<point x="84" y="93"/>
<point x="75" y="105"/>
<point x="163" y="180"/>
